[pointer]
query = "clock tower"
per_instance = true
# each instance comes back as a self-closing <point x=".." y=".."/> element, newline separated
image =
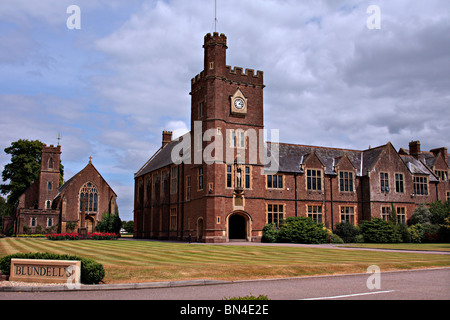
<point x="228" y="102"/>
<point x="227" y="99"/>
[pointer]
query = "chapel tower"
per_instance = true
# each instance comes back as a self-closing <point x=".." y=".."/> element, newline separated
<point x="49" y="175"/>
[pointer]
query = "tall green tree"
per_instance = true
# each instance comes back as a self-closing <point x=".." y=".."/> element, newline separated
<point x="23" y="169"/>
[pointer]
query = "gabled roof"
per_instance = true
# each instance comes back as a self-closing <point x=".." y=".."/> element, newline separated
<point x="417" y="166"/>
<point x="69" y="182"/>
<point x="162" y="158"/>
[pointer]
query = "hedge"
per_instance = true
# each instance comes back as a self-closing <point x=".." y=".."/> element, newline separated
<point x="302" y="230"/>
<point x="92" y="272"/>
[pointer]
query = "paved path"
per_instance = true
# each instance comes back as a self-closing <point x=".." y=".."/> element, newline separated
<point x="428" y="284"/>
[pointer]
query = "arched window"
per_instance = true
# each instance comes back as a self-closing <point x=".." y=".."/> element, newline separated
<point x="90" y="194"/>
<point x="50" y="163"/>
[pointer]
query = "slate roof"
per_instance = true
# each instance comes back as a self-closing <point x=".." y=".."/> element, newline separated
<point x="291" y="157"/>
<point x="162" y="158"/>
<point x="417" y="166"/>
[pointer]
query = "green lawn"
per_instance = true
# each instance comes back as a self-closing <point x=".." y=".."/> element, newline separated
<point x="146" y="261"/>
<point x="403" y="246"/>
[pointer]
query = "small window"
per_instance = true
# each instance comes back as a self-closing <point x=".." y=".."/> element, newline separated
<point x="421" y="186"/>
<point x="384" y="182"/>
<point x="401" y="215"/>
<point x="275" y="181"/>
<point x="315" y="213"/>
<point x="48" y="204"/>
<point x="49" y="222"/>
<point x="188" y="188"/>
<point x="200" y="178"/>
<point x="247" y="177"/>
<point x="386" y="213"/>
<point x="49" y="186"/>
<point x="399" y="184"/>
<point x="173" y="219"/>
<point x="229" y="177"/>
<point x="348" y="214"/>
<point x="50" y="163"/>
<point x="275" y="213"/>
<point x="201" y="110"/>
<point x="33" y="222"/>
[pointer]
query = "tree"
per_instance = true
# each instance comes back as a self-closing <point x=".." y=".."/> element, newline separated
<point x="128" y="226"/>
<point x="439" y="211"/>
<point x="23" y="170"/>
<point x="2" y="206"/>
<point x="110" y="223"/>
<point x="420" y="215"/>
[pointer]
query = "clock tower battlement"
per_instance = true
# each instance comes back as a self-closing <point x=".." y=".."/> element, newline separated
<point x="214" y="89"/>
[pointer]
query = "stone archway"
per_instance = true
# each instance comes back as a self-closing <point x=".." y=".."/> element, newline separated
<point x="239" y="226"/>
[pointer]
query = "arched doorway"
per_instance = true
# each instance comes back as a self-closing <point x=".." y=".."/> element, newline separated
<point x="200" y="229"/>
<point x="237" y="227"/>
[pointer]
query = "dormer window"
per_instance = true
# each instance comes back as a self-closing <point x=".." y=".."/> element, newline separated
<point x="314" y="180"/>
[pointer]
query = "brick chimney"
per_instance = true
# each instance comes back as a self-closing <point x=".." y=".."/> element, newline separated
<point x="442" y="150"/>
<point x="166" y="137"/>
<point x="414" y="149"/>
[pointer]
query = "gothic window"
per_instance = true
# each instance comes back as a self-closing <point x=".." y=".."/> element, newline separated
<point x="50" y="163"/>
<point x="90" y="194"/>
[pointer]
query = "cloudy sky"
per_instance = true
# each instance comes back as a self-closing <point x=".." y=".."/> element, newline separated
<point x="112" y="86"/>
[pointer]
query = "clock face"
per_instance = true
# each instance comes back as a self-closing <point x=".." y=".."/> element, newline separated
<point x="239" y="103"/>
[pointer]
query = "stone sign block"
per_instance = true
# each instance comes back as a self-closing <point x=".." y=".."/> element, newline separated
<point x="45" y="271"/>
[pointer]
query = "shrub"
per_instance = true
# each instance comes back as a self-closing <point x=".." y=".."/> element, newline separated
<point x="346" y="231"/>
<point x="416" y="232"/>
<point x="270" y="233"/>
<point x="110" y="223"/>
<point x="439" y="211"/>
<point x="379" y="231"/>
<point x="444" y="230"/>
<point x="334" y="238"/>
<point x="302" y="230"/>
<point x="249" y="297"/>
<point x="431" y="232"/>
<point x="420" y="215"/>
<point x="92" y="272"/>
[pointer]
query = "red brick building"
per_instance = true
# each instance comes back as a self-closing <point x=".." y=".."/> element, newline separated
<point x="224" y="188"/>
<point x="45" y="206"/>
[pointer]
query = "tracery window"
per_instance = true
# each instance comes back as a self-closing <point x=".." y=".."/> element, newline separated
<point x="90" y="193"/>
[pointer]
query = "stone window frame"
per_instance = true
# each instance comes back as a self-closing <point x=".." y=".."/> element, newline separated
<point x="277" y="179"/>
<point x="401" y="215"/>
<point x="421" y="187"/>
<point x="271" y="213"/>
<point x="384" y="182"/>
<point x="315" y="215"/>
<point x="350" y="179"/>
<point x="311" y="178"/>
<point x="352" y="215"/>
<point x="173" y="220"/>
<point x="399" y="183"/>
